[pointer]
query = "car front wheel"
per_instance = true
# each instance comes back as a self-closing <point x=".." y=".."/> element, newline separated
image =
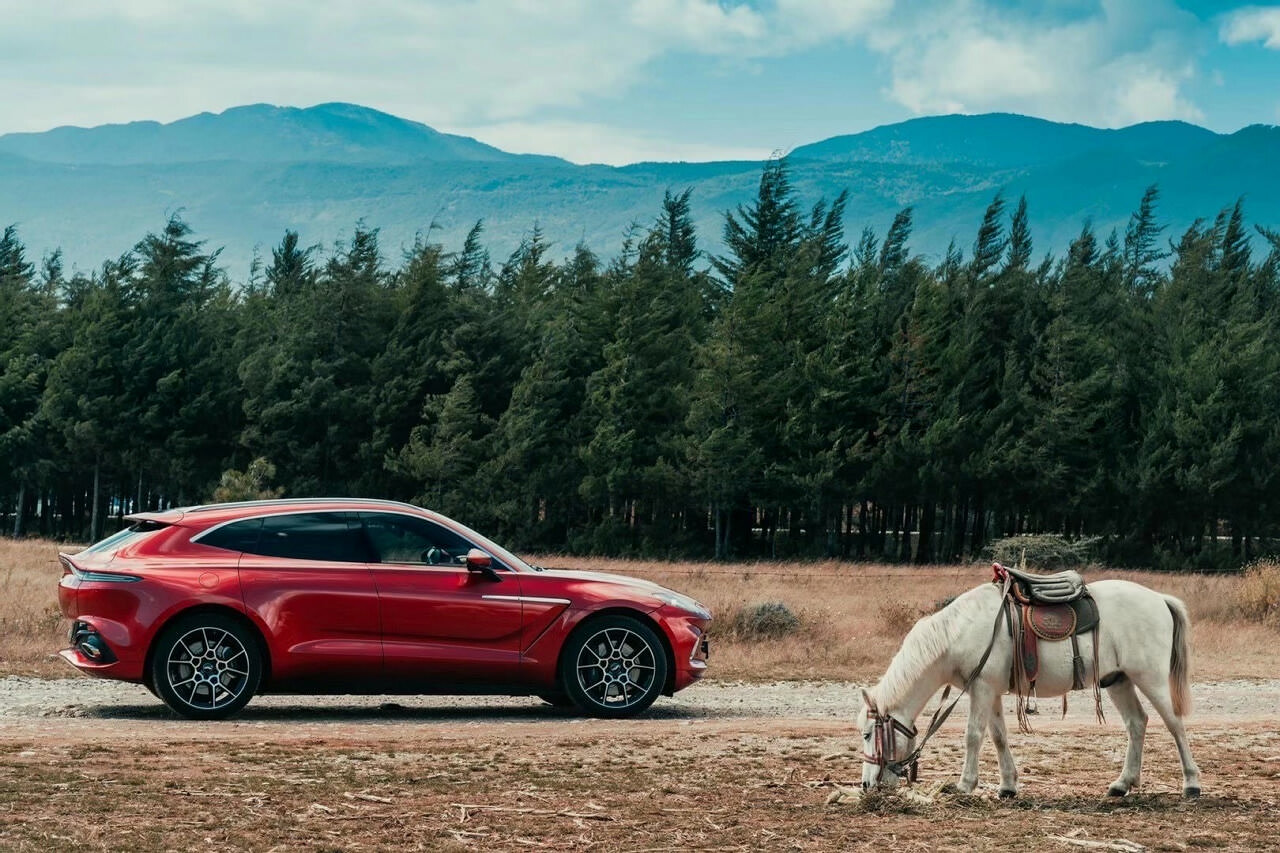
<point x="206" y="666"/>
<point x="614" y="666"/>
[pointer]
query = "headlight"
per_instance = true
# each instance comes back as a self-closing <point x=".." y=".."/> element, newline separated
<point x="683" y="602"/>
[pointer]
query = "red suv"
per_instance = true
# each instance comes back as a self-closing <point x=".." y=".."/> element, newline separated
<point x="209" y="605"/>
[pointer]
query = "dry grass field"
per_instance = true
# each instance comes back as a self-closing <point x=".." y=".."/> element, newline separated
<point x="851" y="616"/>
<point x="648" y="785"/>
<point x="477" y="779"/>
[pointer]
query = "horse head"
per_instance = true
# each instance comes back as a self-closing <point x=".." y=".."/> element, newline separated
<point x="888" y="746"/>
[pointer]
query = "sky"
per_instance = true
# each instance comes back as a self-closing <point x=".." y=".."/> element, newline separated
<point x="618" y="81"/>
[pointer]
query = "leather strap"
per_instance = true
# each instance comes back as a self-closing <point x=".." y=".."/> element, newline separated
<point x="912" y="761"/>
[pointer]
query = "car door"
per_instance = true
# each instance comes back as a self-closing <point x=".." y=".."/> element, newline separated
<point x="307" y="579"/>
<point x="442" y="625"/>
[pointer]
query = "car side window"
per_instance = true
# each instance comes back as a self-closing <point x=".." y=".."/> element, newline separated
<point x="403" y="539"/>
<point x="236" y="536"/>
<point x="333" y="537"/>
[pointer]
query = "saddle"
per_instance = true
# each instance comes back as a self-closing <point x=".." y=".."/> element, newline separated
<point x="1052" y="608"/>
<point x="1032" y="588"/>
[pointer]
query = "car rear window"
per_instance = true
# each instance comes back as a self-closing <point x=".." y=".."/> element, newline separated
<point x="134" y="533"/>
<point x="236" y="536"/>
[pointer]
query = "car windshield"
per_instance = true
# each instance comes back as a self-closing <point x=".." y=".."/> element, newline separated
<point x="495" y="550"/>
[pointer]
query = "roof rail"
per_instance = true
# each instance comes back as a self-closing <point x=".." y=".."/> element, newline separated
<point x="288" y="502"/>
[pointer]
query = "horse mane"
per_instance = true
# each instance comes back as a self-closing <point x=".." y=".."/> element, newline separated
<point x="926" y="642"/>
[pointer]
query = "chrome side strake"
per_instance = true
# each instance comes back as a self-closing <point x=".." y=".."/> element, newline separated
<point x="532" y="599"/>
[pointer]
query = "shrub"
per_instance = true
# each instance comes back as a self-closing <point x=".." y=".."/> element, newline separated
<point x="897" y="616"/>
<point x="1258" y="596"/>
<point x="1044" y="551"/>
<point x="767" y="620"/>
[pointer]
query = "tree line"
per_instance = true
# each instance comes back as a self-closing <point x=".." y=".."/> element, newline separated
<point x="798" y="395"/>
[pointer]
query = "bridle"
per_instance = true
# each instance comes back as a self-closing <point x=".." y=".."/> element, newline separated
<point x="886" y="727"/>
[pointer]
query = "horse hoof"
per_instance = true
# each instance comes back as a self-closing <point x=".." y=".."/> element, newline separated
<point x="1006" y="794"/>
<point x="1191" y="793"/>
<point x="1116" y="791"/>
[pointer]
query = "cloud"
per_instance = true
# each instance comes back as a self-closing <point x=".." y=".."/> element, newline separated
<point x="1250" y="24"/>
<point x="501" y="68"/>
<point x="1114" y="65"/>
<point x="442" y="61"/>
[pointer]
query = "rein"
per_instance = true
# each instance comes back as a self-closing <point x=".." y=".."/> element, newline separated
<point x="885" y="726"/>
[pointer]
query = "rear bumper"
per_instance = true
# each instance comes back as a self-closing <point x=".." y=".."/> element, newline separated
<point x="80" y="661"/>
<point x="111" y="621"/>
<point x="104" y="649"/>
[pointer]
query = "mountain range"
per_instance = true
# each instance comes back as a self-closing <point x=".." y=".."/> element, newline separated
<point x="241" y="177"/>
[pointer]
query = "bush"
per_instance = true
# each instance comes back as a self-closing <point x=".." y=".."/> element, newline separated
<point x="1044" y="551"/>
<point x="768" y="620"/>
<point x="897" y="617"/>
<point x="1259" y="594"/>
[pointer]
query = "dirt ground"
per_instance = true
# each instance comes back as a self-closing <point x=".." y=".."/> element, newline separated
<point x="94" y="765"/>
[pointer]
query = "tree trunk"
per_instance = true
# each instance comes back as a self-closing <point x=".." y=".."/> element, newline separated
<point x="924" y="547"/>
<point x="979" y="524"/>
<point x="864" y="528"/>
<point x="17" y="511"/>
<point x="908" y="524"/>
<point x="93" y="511"/>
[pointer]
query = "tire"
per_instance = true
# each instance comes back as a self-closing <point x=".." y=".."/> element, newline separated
<point x="613" y="666"/>
<point x="206" y="666"/>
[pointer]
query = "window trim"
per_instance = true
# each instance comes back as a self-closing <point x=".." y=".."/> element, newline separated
<point x="499" y="563"/>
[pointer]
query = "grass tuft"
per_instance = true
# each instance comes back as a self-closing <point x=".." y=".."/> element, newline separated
<point x="1258" y="596"/>
<point x="768" y="620"/>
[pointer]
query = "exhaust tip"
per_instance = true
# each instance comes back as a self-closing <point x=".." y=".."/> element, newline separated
<point x="91" y="644"/>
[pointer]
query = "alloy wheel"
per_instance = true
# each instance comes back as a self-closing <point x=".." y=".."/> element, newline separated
<point x="208" y="669"/>
<point x="616" y="668"/>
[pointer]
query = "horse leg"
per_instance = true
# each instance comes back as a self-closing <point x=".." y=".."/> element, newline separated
<point x="1000" y="737"/>
<point x="1125" y="698"/>
<point x="1160" y="699"/>
<point x="979" y="709"/>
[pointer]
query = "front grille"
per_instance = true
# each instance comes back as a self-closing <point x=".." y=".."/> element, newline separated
<point x="701" y="651"/>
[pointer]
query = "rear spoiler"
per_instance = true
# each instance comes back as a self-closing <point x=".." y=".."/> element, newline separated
<point x="163" y="518"/>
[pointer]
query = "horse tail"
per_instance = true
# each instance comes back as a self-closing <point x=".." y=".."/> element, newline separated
<point x="1180" y="657"/>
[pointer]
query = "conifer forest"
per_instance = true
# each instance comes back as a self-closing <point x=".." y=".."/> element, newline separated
<point x="807" y="393"/>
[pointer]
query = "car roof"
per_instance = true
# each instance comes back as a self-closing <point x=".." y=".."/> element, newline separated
<point x="216" y="513"/>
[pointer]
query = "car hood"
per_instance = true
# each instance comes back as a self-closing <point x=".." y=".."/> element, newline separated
<point x="605" y="577"/>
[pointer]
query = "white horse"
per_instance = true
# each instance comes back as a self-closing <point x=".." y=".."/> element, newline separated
<point x="1143" y="647"/>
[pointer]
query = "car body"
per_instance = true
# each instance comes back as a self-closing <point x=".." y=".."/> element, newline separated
<point x="209" y="605"/>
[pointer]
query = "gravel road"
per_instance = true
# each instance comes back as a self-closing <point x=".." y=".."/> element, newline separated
<point x="32" y="699"/>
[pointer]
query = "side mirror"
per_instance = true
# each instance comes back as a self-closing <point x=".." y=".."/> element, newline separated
<point x="478" y="562"/>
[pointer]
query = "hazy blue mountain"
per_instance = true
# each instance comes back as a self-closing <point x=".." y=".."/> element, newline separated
<point x="1005" y="141"/>
<point x="241" y="178"/>
<point x="260" y="133"/>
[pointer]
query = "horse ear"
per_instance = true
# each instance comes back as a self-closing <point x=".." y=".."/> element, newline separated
<point x="868" y="701"/>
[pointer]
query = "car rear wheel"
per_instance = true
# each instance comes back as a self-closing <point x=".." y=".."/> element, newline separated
<point x="206" y="666"/>
<point x="614" y="666"/>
